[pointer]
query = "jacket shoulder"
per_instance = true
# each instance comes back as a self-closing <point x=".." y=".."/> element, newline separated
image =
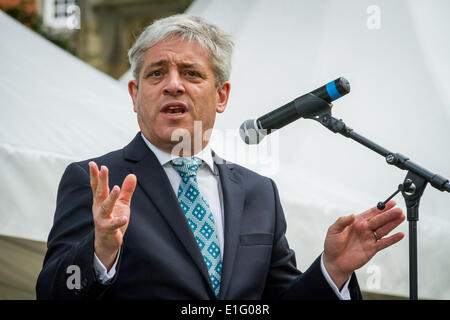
<point x="252" y="179"/>
<point x="109" y="159"/>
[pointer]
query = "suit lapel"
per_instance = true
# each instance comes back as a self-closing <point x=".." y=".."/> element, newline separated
<point x="233" y="202"/>
<point x="153" y="180"/>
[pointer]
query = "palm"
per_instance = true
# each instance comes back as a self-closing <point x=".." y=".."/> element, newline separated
<point x="353" y="247"/>
<point x="350" y="242"/>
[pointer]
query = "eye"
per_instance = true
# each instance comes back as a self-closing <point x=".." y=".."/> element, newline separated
<point x="192" y="74"/>
<point x="155" y="74"/>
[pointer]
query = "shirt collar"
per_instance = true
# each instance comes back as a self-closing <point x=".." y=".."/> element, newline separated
<point x="165" y="157"/>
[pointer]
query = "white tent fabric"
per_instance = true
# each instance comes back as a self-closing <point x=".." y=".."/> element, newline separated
<point x="54" y="109"/>
<point x="400" y="99"/>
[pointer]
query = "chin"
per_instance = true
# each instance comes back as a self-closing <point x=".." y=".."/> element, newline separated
<point x="174" y="136"/>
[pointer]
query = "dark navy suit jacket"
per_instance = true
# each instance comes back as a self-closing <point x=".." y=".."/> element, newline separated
<point x="160" y="258"/>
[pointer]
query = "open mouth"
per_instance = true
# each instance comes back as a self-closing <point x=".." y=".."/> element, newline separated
<point x="174" y="109"/>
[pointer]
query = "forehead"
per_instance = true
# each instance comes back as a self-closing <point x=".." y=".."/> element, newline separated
<point x="174" y="50"/>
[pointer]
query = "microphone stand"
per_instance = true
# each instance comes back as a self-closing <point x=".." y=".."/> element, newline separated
<point x="412" y="188"/>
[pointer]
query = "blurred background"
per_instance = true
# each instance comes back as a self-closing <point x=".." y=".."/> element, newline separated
<point x="63" y="97"/>
<point x="99" y="32"/>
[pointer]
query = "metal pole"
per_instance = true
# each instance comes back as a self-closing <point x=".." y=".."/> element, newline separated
<point x="413" y="282"/>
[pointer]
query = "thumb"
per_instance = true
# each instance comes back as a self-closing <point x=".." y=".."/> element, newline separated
<point x="342" y="223"/>
<point x="128" y="186"/>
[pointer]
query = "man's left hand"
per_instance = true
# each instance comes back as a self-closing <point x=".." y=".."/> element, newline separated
<point x="353" y="240"/>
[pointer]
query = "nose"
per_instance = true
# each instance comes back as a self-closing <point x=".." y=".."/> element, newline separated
<point x="174" y="85"/>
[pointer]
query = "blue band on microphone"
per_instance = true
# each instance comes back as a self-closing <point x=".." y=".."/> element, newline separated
<point x="332" y="91"/>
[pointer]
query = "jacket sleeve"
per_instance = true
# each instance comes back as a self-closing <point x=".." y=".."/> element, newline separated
<point x="285" y="281"/>
<point x="68" y="271"/>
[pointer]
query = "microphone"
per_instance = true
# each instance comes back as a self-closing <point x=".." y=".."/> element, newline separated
<point x="254" y="130"/>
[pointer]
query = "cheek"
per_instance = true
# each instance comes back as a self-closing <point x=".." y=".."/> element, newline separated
<point x="209" y="116"/>
<point x="209" y="104"/>
<point x="145" y="106"/>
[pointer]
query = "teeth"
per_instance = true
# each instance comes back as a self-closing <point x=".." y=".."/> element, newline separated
<point x="175" y="110"/>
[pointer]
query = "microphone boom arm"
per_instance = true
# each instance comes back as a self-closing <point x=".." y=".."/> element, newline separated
<point x="396" y="159"/>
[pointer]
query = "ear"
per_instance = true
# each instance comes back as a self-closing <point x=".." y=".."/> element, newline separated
<point x="133" y="91"/>
<point x="223" y="92"/>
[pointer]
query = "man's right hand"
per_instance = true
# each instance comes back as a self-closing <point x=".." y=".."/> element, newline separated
<point x="111" y="211"/>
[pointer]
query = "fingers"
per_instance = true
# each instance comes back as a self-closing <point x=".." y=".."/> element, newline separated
<point x="102" y="191"/>
<point x="375" y="211"/>
<point x="104" y="201"/>
<point x="390" y="225"/>
<point x="128" y="187"/>
<point x="117" y="222"/>
<point x="387" y="221"/>
<point x="99" y="181"/>
<point x="93" y="173"/>
<point x="108" y="205"/>
<point x="111" y="224"/>
<point x="341" y="224"/>
<point x="389" y="241"/>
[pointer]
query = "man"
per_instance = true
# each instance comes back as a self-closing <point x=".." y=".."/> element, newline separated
<point x="185" y="224"/>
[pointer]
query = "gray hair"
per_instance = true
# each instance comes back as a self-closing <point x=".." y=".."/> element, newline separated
<point x="187" y="27"/>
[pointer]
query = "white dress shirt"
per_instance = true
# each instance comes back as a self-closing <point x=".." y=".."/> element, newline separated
<point x="210" y="187"/>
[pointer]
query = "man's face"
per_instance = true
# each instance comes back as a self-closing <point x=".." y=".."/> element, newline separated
<point x="176" y="87"/>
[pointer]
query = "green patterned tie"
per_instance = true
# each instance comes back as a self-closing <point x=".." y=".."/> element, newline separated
<point x="199" y="217"/>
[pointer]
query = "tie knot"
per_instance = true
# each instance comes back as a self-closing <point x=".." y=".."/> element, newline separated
<point x="186" y="167"/>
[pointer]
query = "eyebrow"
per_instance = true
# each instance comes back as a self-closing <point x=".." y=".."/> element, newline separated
<point x="191" y="65"/>
<point x="155" y="64"/>
<point x="165" y="62"/>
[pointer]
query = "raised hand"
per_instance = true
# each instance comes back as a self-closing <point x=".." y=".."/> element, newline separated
<point x="111" y="211"/>
<point x="353" y="240"/>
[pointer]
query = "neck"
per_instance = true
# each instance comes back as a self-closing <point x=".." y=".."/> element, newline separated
<point x="181" y="149"/>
